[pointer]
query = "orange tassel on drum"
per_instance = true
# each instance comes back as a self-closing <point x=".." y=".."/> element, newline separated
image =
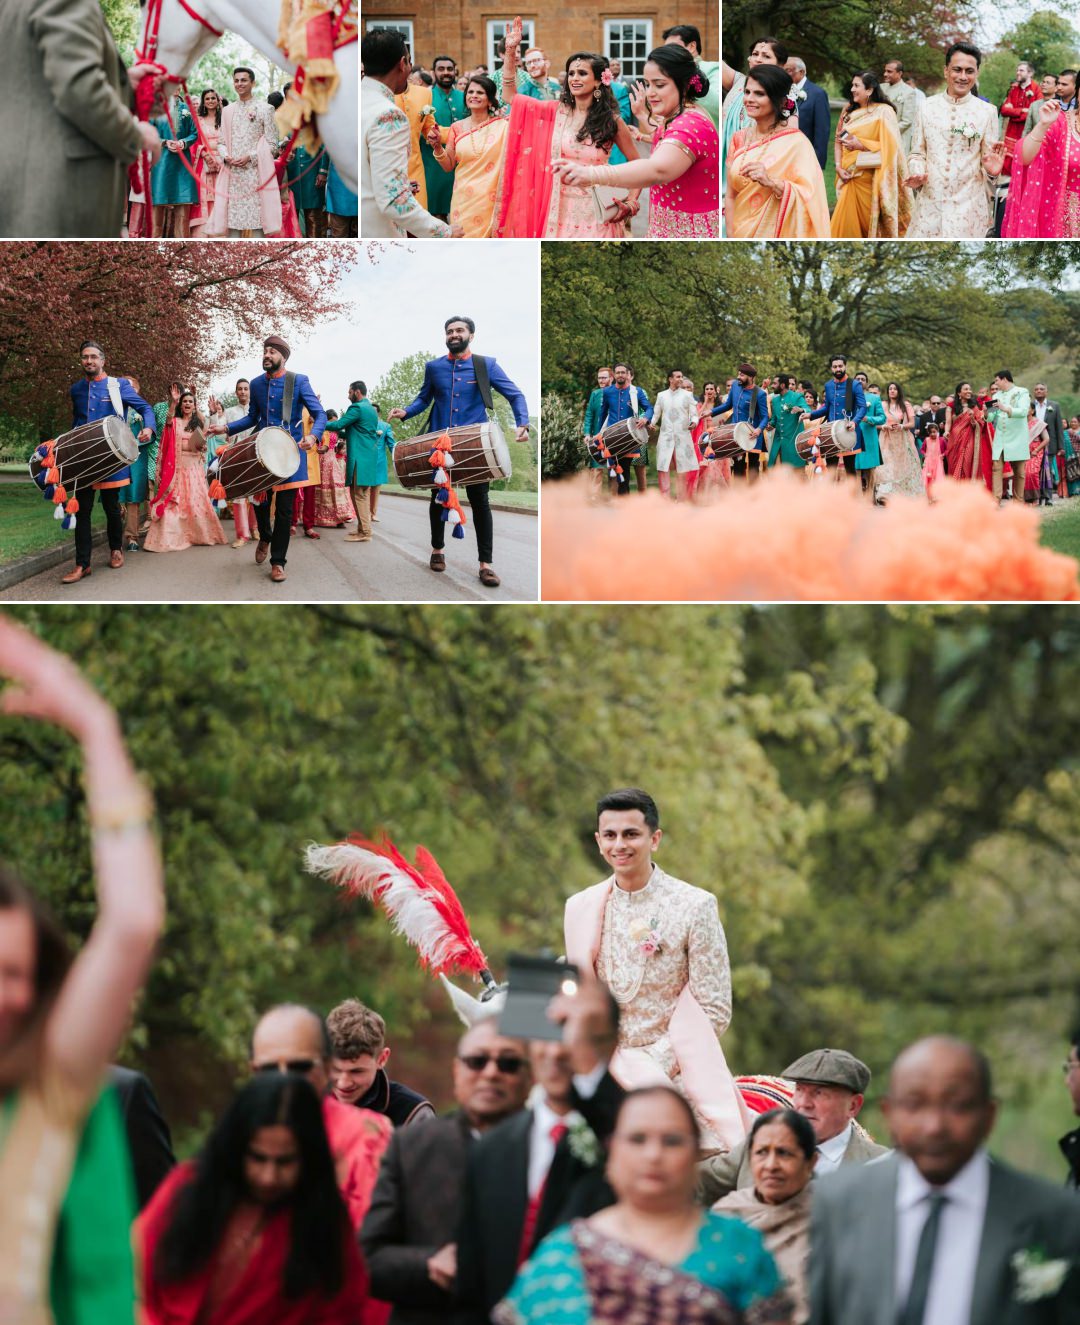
<point x="72" y="506"/>
<point x="217" y="491"/>
<point x="60" y="496"/>
<point x="52" y="475"/>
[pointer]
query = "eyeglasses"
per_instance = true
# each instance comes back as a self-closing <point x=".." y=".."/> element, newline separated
<point x="301" y="1066"/>
<point x="508" y="1064"/>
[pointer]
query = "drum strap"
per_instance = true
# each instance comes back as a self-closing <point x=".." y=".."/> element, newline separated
<point x="114" y="397"/>
<point x="483" y="381"/>
<point x="849" y="398"/>
<point x="287" y="401"/>
<point x="753" y="405"/>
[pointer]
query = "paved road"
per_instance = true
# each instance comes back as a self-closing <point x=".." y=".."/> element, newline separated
<point x="394" y="566"/>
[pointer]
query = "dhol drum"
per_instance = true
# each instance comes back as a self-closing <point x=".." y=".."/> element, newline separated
<point x="89" y="454"/>
<point x="833" y="439"/>
<point x="732" y="439"/>
<point x="624" y="439"/>
<point x="258" y="462"/>
<point x="478" y="451"/>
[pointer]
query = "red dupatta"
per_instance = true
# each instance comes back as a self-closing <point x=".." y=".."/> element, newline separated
<point x="166" y="471"/>
<point x="526" y="178"/>
<point x="256" y="1297"/>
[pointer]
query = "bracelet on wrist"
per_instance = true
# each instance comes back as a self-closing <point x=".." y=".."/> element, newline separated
<point x="130" y="812"/>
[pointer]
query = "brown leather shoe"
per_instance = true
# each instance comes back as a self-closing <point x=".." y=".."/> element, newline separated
<point x="262" y="551"/>
<point x="277" y="573"/>
<point x="74" y="576"/>
<point x="488" y="577"/>
<point x="116" y="559"/>
<point x="438" y="561"/>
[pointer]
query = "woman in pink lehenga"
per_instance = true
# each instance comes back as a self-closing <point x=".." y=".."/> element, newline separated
<point x="333" y="503"/>
<point x="708" y="475"/>
<point x="533" y="200"/>
<point x="1044" y="191"/>
<point x="207" y="157"/>
<point x="683" y="172"/>
<point x="181" y="514"/>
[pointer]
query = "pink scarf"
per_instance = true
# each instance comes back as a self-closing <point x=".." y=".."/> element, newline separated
<point x="1036" y="203"/>
<point x="526" y="179"/>
<point x="269" y="197"/>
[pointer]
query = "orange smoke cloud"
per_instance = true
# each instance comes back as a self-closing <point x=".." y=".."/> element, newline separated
<point x="785" y="538"/>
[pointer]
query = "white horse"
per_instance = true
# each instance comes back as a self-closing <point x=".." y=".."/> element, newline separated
<point x="182" y="38"/>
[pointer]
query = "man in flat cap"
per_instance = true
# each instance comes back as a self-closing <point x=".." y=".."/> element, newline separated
<point x="278" y="398"/>
<point x="830" y="1085"/>
<point x="748" y="403"/>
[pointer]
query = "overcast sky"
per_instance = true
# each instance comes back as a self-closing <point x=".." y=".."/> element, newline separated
<point x="400" y="302"/>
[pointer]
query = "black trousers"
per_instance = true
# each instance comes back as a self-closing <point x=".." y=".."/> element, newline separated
<point x="114" y="521"/>
<point x="278" y="536"/>
<point x="480" y="507"/>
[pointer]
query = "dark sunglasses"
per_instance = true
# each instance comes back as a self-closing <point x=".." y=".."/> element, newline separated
<point x="301" y="1066"/>
<point x="508" y="1064"/>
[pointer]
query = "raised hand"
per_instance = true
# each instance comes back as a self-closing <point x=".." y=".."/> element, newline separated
<point x="513" y="36"/>
<point x="1050" y="109"/>
<point x="45" y="684"/>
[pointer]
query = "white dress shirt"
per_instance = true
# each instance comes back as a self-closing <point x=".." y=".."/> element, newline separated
<point x="541" y="1146"/>
<point x="1040" y="409"/>
<point x="831" y="1152"/>
<point x="956" y="1253"/>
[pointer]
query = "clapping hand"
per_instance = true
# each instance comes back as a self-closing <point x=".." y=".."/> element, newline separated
<point x="639" y="106"/>
<point x="214" y="405"/>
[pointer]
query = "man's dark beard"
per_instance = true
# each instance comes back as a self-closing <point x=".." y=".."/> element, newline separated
<point x="445" y="80"/>
<point x="456" y="343"/>
<point x="839" y="373"/>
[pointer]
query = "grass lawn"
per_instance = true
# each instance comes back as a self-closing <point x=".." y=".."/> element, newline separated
<point x="26" y="522"/>
<point x="1060" y="529"/>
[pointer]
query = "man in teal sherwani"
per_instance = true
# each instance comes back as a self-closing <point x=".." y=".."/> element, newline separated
<point x="1010" y="419"/>
<point x="449" y="105"/>
<point x="359" y="425"/>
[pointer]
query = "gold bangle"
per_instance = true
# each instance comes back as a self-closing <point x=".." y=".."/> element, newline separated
<point x="133" y="811"/>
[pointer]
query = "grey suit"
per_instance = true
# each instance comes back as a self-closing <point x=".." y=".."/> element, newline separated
<point x="722" y="1174"/>
<point x="1054" y="427"/>
<point x="69" y="134"/>
<point x="853" y="1240"/>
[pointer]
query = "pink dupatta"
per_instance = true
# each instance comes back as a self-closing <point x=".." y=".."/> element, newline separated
<point x="525" y="183"/>
<point x="1035" y="208"/>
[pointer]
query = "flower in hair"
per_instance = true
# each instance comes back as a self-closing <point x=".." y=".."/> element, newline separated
<point x="605" y="78"/>
<point x="695" y="84"/>
<point x="789" y="105"/>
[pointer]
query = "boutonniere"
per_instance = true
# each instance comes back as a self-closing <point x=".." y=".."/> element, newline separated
<point x="801" y="94"/>
<point x="646" y="936"/>
<point x="584" y="1144"/>
<point x="967" y="130"/>
<point x="1037" y="1276"/>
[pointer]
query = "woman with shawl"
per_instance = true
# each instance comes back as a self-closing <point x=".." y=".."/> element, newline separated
<point x="473" y="151"/>
<point x="968" y="436"/>
<point x="1044" y="194"/>
<point x="767" y="50"/>
<point x="536" y="201"/>
<point x="872" y="201"/>
<point x="775" y="188"/>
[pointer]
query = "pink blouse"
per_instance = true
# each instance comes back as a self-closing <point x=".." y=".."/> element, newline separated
<point x="688" y="207"/>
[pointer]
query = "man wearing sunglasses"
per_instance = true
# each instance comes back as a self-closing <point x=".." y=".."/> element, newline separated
<point x="290" y="1038"/>
<point x="409" y="1237"/>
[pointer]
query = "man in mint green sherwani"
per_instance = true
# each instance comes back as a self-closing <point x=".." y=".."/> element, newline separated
<point x="359" y="425"/>
<point x="1009" y="416"/>
<point x="449" y="105"/>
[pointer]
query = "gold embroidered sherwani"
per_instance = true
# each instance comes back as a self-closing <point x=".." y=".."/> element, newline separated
<point x="947" y="145"/>
<point x="662" y="953"/>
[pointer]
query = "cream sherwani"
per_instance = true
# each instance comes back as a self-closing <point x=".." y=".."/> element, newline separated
<point x="676" y="412"/>
<point x="947" y="145"/>
<point x="675" y="1001"/>
<point x="388" y="207"/>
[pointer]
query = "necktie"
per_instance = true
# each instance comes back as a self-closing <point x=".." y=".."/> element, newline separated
<point x="915" y="1307"/>
<point x="532" y="1210"/>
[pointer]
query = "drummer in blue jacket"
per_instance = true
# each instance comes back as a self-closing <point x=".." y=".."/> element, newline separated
<point x="623" y="400"/>
<point x="844" y="399"/>
<point x="748" y="403"/>
<point x="451" y="390"/>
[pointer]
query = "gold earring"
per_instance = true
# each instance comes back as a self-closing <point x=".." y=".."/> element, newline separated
<point x="596" y="94"/>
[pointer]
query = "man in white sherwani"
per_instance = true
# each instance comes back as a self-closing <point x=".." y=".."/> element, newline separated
<point x="675" y="413"/>
<point x="955" y="153"/>
<point x="658" y="945"/>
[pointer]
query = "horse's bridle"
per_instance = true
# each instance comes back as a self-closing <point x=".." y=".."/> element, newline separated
<point x="153" y="28"/>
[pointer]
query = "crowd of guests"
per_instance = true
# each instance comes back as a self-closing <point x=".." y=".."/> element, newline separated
<point x="329" y="1192"/>
<point x="532" y="151"/>
<point x="228" y="174"/>
<point x="1018" y="444"/>
<point x="906" y="164"/>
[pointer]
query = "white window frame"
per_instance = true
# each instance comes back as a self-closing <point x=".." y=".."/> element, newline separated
<point x="528" y="39"/>
<point x="402" y="25"/>
<point x="610" y="24"/>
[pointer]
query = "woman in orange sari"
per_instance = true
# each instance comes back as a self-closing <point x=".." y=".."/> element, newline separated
<point x="775" y="188"/>
<point x="872" y="201"/>
<point x="474" y="147"/>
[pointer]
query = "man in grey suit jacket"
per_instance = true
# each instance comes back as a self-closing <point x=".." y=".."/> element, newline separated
<point x="938" y="1233"/>
<point x="830" y="1085"/>
<point x="1049" y="412"/>
<point x="69" y="132"/>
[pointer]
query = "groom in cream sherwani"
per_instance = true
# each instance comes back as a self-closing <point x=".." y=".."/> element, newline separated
<point x="658" y="945"/>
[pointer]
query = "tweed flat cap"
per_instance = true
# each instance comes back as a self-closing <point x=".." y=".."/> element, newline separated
<point x="830" y="1067"/>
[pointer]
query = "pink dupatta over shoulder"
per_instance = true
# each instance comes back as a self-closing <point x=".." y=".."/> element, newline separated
<point x="1038" y="192"/>
<point x="525" y="183"/>
<point x="269" y="196"/>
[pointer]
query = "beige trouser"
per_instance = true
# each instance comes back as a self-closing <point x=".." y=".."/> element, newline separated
<point x="361" y="496"/>
<point x="1017" y="478"/>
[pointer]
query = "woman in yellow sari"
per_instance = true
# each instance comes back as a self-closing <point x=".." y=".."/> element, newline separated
<point x="474" y="147"/>
<point x="775" y="188"/>
<point x="872" y="201"/>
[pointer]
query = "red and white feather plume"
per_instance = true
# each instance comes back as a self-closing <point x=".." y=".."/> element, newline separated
<point x="422" y="906"/>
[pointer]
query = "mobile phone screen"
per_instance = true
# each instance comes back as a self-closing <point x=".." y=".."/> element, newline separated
<point x="533" y="982"/>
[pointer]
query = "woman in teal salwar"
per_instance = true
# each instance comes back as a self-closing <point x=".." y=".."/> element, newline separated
<point x="869" y="457"/>
<point x="173" y="186"/>
<point x="788" y="407"/>
<point x="654" y="1256"/>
